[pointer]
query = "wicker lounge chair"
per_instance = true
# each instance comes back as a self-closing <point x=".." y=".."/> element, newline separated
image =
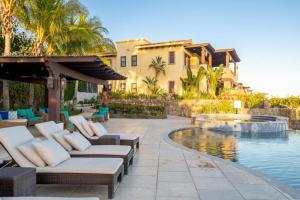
<point x="74" y="171"/>
<point x="64" y="117"/>
<point x="125" y="139"/>
<point x="48" y="129"/>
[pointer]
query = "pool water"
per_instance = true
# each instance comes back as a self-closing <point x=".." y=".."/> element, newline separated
<point x="274" y="154"/>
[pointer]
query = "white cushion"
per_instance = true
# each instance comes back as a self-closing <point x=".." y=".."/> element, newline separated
<point x="77" y="141"/>
<point x="87" y="128"/>
<point x="104" y="150"/>
<point x="59" y="137"/>
<point x="51" y="152"/>
<point x="98" y="129"/>
<point x="12" y="115"/>
<point x="47" y="129"/>
<point x="29" y="152"/>
<point x="85" y="165"/>
<point x="76" y="120"/>
<point x="13" y="137"/>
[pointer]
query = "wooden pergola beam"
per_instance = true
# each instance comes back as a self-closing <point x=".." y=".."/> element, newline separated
<point x="62" y="70"/>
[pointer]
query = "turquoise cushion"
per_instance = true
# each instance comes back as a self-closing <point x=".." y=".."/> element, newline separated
<point x="33" y="119"/>
<point x="70" y="125"/>
<point x="30" y="113"/>
<point x="103" y="110"/>
<point x="0" y="117"/>
<point x="21" y="112"/>
<point x="66" y="113"/>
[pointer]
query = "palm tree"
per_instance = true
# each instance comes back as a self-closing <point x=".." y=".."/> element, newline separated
<point x="213" y="77"/>
<point x="151" y="83"/>
<point x="158" y="65"/>
<point x="7" y="9"/>
<point x="192" y="82"/>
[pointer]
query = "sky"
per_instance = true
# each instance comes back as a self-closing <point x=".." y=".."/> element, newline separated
<point x="265" y="33"/>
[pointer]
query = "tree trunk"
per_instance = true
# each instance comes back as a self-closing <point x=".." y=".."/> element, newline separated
<point x="6" y="82"/>
<point x="31" y="95"/>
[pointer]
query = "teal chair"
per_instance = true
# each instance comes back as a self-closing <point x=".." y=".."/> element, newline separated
<point x="31" y="117"/>
<point x="101" y="115"/>
<point x="64" y="116"/>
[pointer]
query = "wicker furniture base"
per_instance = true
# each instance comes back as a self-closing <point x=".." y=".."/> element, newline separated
<point x="111" y="180"/>
<point x="17" y="181"/>
<point x="131" y="143"/>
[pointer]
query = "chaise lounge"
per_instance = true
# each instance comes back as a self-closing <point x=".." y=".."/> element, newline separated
<point x="99" y="130"/>
<point x="52" y="130"/>
<point x="64" y="169"/>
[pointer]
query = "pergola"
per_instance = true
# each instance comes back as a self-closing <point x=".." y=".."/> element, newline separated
<point x="51" y="70"/>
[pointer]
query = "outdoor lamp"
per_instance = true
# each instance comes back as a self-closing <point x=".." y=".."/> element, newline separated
<point x="63" y="82"/>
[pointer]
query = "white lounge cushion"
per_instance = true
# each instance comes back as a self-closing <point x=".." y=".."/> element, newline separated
<point x="77" y="141"/>
<point x="59" y="137"/>
<point x="29" y="152"/>
<point x="13" y="137"/>
<point x="76" y="120"/>
<point x="85" y="165"/>
<point x="98" y="129"/>
<point x="47" y="129"/>
<point x="49" y="198"/>
<point x="87" y="128"/>
<point x="51" y="152"/>
<point x="104" y="150"/>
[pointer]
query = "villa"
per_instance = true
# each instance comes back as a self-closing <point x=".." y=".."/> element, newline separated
<point x="134" y="56"/>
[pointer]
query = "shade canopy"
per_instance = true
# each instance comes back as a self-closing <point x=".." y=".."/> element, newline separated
<point x="36" y="68"/>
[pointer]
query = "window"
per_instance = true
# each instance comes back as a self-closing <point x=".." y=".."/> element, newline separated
<point x="123" y="61"/>
<point x="134" y="61"/>
<point x="123" y="86"/>
<point x="133" y="88"/>
<point x="171" y="87"/>
<point x="172" y="57"/>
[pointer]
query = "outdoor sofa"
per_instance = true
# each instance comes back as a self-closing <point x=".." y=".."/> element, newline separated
<point x="74" y="171"/>
<point x="52" y="130"/>
<point x="125" y="139"/>
<point x="10" y="118"/>
<point x="32" y="117"/>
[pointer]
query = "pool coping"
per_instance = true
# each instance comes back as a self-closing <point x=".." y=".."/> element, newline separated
<point x="282" y="187"/>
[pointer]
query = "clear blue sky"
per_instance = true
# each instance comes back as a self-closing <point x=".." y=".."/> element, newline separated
<point x="265" y="33"/>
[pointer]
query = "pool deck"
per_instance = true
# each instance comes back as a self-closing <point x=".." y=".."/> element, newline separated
<point x="164" y="171"/>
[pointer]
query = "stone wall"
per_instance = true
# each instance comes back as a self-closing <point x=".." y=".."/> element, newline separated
<point x="295" y="124"/>
<point x="285" y="112"/>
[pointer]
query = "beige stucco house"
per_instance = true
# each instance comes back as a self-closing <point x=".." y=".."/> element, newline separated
<point x="133" y="58"/>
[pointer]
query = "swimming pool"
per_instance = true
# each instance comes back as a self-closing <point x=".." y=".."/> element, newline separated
<point x="274" y="154"/>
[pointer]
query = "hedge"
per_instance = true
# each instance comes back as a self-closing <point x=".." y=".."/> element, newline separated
<point x="136" y="111"/>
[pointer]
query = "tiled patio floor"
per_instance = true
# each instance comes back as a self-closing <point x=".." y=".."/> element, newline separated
<point x="162" y="171"/>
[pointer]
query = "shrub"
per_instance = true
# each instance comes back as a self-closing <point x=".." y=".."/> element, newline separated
<point x="136" y="111"/>
<point x="221" y="106"/>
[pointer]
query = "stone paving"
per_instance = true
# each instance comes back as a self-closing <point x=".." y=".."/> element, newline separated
<point x="162" y="171"/>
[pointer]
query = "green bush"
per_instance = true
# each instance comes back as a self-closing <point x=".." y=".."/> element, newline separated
<point x="222" y="106"/>
<point x="136" y="111"/>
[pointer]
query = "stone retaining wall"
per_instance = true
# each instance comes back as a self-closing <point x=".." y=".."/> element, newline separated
<point x="295" y="124"/>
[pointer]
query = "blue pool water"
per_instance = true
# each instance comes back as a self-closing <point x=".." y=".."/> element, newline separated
<point x="274" y="154"/>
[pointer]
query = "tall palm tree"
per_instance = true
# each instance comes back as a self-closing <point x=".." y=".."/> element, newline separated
<point x="213" y="77"/>
<point x="7" y="9"/>
<point x="158" y="65"/>
<point x="192" y="82"/>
